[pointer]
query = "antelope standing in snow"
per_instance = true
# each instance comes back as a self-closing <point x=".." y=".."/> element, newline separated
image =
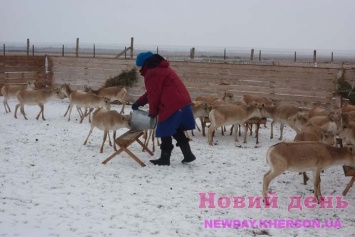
<point x="113" y="92"/>
<point x="305" y="156"/>
<point x="232" y="115"/>
<point x="88" y="101"/>
<point x="9" y="91"/>
<point x="36" y="97"/>
<point x="108" y="120"/>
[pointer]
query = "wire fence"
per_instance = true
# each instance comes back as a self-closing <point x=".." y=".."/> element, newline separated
<point x="180" y="53"/>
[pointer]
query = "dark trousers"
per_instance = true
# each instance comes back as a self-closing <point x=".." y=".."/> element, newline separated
<point x="167" y="142"/>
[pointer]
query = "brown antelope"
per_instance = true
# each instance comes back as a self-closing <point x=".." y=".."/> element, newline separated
<point x="328" y="123"/>
<point x="200" y="109"/>
<point x="311" y="132"/>
<point x="346" y="119"/>
<point x="207" y="99"/>
<point x="213" y="101"/>
<point x="232" y="115"/>
<point x="305" y="156"/>
<point x="348" y="133"/>
<point x="108" y="120"/>
<point x="347" y="108"/>
<point x="36" y="97"/>
<point x="285" y="114"/>
<point x="88" y="101"/>
<point x="113" y="92"/>
<point x="316" y="111"/>
<point x="347" y="129"/>
<point x="350" y="116"/>
<point x="66" y="90"/>
<point x="226" y="98"/>
<point x="9" y="91"/>
<point x="248" y="99"/>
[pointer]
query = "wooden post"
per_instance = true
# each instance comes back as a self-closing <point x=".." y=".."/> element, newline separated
<point x="33" y="50"/>
<point x="94" y="51"/>
<point x="331" y="58"/>
<point x="225" y="54"/>
<point x="192" y="53"/>
<point x="295" y="58"/>
<point x="132" y="40"/>
<point x="157" y="50"/>
<point x="77" y="47"/>
<point x="4" y="49"/>
<point x="315" y="56"/>
<point x="28" y="46"/>
<point x="259" y="55"/>
<point x="252" y="55"/>
<point x="125" y="52"/>
<point x="63" y="51"/>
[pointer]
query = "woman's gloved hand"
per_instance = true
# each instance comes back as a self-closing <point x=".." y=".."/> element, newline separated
<point x="135" y="105"/>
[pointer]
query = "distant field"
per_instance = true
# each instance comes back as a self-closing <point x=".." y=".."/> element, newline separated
<point x="183" y="53"/>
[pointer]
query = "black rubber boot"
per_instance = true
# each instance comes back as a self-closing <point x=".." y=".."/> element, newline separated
<point x="164" y="158"/>
<point x="166" y="147"/>
<point x="186" y="151"/>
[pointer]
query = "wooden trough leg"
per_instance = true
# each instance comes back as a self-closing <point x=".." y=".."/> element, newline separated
<point x="133" y="156"/>
<point x="350" y="184"/>
<point x="145" y="148"/>
<point x="113" y="155"/>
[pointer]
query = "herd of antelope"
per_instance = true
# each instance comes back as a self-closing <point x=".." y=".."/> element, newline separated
<point x="85" y="101"/>
<point x="312" y="149"/>
<point x="317" y="131"/>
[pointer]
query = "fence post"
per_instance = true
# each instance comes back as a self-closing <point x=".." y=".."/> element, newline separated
<point x="28" y="46"/>
<point x="315" y="56"/>
<point x="295" y="57"/>
<point x="252" y="55"/>
<point x="157" y="50"/>
<point x="4" y="49"/>
<point x="225" y="54"/>
<point x="132" y="40"/>
<point x="192" y="53"/>
<point x="331" y="59"/>
<point x="259" y="55"/>
<point x="33" y="50"/>
<point x="94" y="51"/>
<point x="125" y="52"/>
<point x="77" y="47"/>
<point x="63" y="51"/>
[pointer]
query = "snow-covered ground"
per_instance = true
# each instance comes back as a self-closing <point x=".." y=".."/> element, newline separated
<point x="53" y="185"/>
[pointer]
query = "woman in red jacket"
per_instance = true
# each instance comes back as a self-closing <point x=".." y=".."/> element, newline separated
<point x="168" y="99"/>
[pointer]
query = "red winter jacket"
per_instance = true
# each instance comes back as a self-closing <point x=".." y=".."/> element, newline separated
<point x="166" y="93"/>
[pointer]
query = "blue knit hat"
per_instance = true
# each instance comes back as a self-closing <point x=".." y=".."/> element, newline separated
<point x="142" y="57"/>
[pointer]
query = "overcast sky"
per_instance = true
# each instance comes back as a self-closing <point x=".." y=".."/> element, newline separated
<point x="279" y="24"/>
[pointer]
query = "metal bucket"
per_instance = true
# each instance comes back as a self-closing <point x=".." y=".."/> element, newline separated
<point x="141" y="121"/>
